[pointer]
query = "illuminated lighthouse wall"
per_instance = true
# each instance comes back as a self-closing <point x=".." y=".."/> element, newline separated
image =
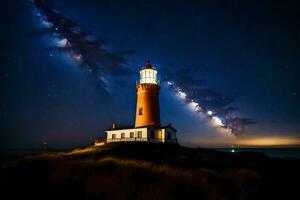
<point x="147" y="126"/>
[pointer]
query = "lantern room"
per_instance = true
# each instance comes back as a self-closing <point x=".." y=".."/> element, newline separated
<point x="148" y="75"/>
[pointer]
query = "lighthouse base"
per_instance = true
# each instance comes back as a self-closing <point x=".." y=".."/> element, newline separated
<point x="165" y="134"/>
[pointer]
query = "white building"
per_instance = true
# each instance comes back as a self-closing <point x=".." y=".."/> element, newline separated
<point x="148" y="133"/>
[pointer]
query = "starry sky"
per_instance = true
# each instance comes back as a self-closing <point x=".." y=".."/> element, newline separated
<point x="244" y="52"/>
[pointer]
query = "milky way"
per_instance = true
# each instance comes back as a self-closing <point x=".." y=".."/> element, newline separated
<point x="90" y="54"/>
<point x="207" y="102"/>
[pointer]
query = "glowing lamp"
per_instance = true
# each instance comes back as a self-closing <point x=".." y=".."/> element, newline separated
<point x="148" y="75"/>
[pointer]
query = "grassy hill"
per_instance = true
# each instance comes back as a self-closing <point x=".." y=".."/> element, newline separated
<point x="148" y="171"/>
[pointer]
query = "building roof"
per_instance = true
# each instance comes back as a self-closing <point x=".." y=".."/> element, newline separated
<point x="121" y="128"/>
<point x="132" y="127"/>
<point x="169" y="126"/>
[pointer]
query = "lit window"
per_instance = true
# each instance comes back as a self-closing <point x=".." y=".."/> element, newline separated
<point x="132" y="134"/>
<point x="113" y="136"/>
<point x="122" y="135"/>
<point x="139" y="134"/>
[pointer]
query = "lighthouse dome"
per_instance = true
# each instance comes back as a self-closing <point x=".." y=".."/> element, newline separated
<point x="148" y="74"/>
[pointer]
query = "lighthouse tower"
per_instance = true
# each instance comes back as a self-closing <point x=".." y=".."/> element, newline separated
<point x="147" y="127"/>
<point x="147" y="105"/>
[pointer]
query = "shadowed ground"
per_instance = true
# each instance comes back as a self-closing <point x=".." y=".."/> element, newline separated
<point x="148" y="171"/>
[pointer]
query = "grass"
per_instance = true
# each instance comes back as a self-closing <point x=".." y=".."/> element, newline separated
<point x="148" y="171"/>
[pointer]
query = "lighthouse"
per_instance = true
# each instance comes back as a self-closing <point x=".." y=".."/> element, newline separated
<point x="147" y="126"/>
<point x="147" y="105"/>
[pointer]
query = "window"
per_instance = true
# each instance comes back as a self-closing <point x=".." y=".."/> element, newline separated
<point x="122" y="135"/>
<point x="132" y="134"/>
<point x="140" y="134"/>
<point x="152" y="134"/>
<point x="169" y="135"/>
<point x="113" y="136"/>
<point x="141" y="111"/>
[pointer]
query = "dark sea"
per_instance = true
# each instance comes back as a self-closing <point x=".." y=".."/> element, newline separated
<point x="272" y="152"/>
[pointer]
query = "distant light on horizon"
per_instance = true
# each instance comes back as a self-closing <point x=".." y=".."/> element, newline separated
<point x="269" y="141"/>
<point x="233" y="142"/>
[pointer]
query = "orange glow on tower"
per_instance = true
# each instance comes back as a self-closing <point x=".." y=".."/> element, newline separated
<point x="147" y="105"/>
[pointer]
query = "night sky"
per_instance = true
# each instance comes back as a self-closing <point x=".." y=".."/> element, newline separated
<point x="243" y="54"/>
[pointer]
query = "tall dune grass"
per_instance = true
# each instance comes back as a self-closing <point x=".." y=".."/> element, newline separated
<point x="117" y="173"/>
